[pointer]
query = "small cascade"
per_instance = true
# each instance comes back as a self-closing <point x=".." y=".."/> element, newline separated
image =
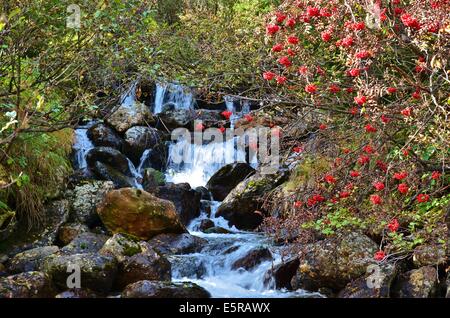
<point x="175" y="94"/>
<point x="129" y="97"/>
<point x="81" y="147"/>
<point x="213" y="267"/>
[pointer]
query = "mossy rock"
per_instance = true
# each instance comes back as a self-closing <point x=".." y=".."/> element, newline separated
<point x="139" y="213"/>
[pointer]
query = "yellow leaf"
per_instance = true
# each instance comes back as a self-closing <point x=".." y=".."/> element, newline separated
<point x="40" y="102"/>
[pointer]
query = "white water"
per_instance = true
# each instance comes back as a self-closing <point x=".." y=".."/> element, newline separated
<point x="206" y="159"/>
<point x="180" y="96"/>
<point x="217" y="258"/>
<point x="82" y="145"/>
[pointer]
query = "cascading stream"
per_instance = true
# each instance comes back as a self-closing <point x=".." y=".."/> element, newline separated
<point x="212" y="268"/>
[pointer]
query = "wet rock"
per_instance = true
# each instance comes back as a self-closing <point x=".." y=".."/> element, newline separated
<point x="227" y="178"/>
<point x="216" y="230"/>
<point x="152" y="179"/>
<point x="150" y="265"/>
<point x="120" y="180"/>
<point x="186" y="266"/>
<point x="376" y="283"/>
<point x="121" y="246"/>
<point x="417" y="283"/>
<point x="77" y="293"/>
<point x="253" y="259"/>
<point x="206" y="207"/>
<point x="98" y="272"/>
<point x="174" y="118"/>
<point x="103" y="136"/>
<point x="149" y="289"/>
<point x="178" y="243"/>
<point x="25" y="285"/>
<point x="68" y="232"/>
<point x="186" y="200"/>
<point x="155" y="158"/>
<point x="205" y="194"/>
<point x="138" y="139"/>
<point x="30" y="260"/>
<point x="334" y="262"/>
<point x="84" y="200"/>
<point x="241" y="204"/>
<point x="85" y="243"/>
<point x="205" y="225"/>
<point x="429" y="254"/>
<point x="139" y="213"/>
<point x="282" y="274"/>
<point x="127" y="116"/>
<point x="109" y="156"/>
<point x="110" y="164"/>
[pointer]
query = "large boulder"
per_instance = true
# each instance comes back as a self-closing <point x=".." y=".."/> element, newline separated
<point x="227" y="178"/>
<point x="102" y="135"/>
<point x="148" y="265"/>
<point x="155" y="158"/>
<point x="98" y="272"/>
<point x="253" y="258"/>
<point x="84" y="200"/>
<point x="110" y="164"/>
<point x="186" y="200"/>
<point x="129" y="115"/>
<point x="138" y="139"/>
<point x="334" y="262"/>
<point x="280" y="275"/>
<point x="417" y="283"/>
<point x="151" y="289"/>
<point x="26" y="285"/>
<point x="109" y="156"/>
<point x="171" y="118"/>
<point x="178" y="243"/>
<point x="139" y="213"/>
<point x="120" y="180"/>
<point x="241" y="204"/>
<point x="86" y="242"/>
<point x="30" y="260"/>
<point x="376" y="283"/>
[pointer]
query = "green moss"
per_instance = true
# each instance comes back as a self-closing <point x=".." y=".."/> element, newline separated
<point x="306" y="171"/>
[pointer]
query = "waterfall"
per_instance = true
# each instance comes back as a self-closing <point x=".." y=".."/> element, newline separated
<point x="176" y="94"/>
<point x="81" y="147"/>
<point x="206" y="160"/>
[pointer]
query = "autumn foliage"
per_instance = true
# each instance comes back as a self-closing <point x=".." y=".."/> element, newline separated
<point x="376" y="74"/>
